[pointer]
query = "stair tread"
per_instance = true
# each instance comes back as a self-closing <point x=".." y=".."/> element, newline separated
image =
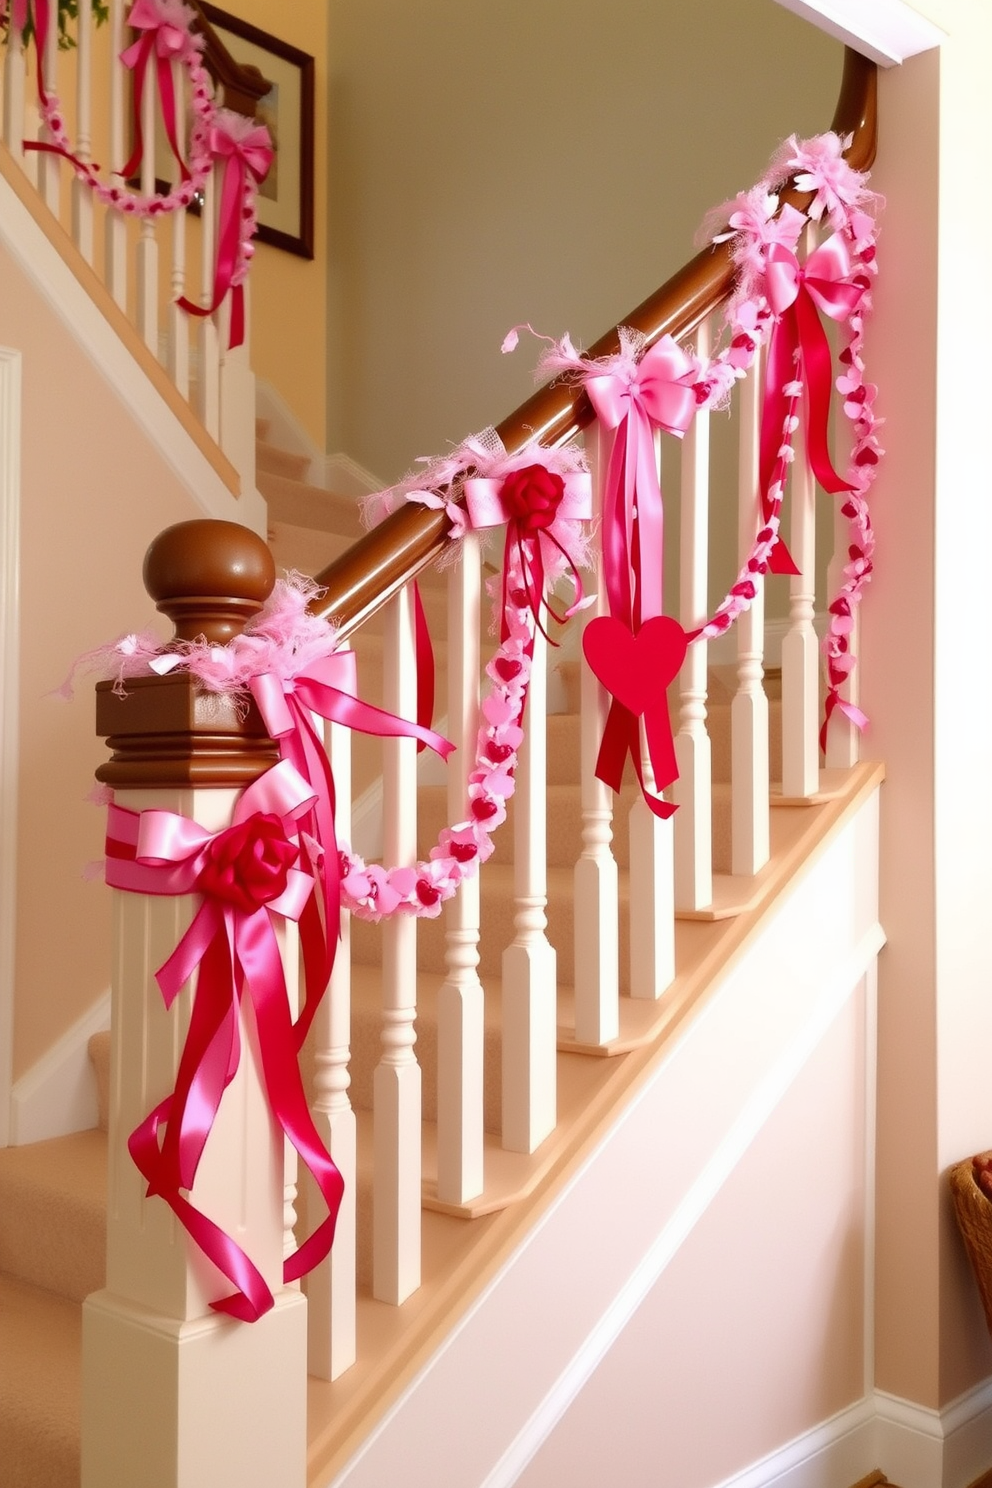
<point x="53" y="1196"/>
<point x="39" y="1386"/>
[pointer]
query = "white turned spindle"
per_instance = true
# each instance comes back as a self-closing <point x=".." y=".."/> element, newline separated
<point x="82" y="196"/>
<point x="330" y="1286"/>
<point x="800" y="652"/>
<point x="597" y="884"/>
<point x="396" y="1089"/>
<point x="749" y="711"/>
<point x="146" y="274"/>
<point x="652" y="885"/>
<point x="49" y="166"/>
<point x="178" y="319"/>
<point x="530" y="991"/>
<point x="843" y="737"/>
<point x="13" y="94"/>
<point x="207" y="399"/>
<point x="692" y="791"/>
<point x="114" y="226"/>
<point x="460" y="1014"/>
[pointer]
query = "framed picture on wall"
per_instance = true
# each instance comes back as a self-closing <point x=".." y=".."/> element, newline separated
<point x="285" y="197"/>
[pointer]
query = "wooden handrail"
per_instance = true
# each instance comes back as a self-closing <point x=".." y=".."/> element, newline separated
<point x="379" y="564"/>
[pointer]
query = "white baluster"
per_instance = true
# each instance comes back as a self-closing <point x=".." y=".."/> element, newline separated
<point x="207" y="400"/>
<point x="114" y="227"/>
<point x="530" y="991"/>
<point x="82" y="196"/>
<point x="13" y="94"/>
<point x="692" y="792"/>
<point x="460" y="1014"/>
<point x="178" y="319"/>
<point x="146" y="276"/>
<point x="597" y="887"/>
<point x="49" y="166"/>
<point x="396" y="1089"/>
<point x="843" y="738"/>
<point x="749" y="711"/>
<point x="652" y="883"/>
<point x="800" y="658"/>
<point x="331" y="1285"/>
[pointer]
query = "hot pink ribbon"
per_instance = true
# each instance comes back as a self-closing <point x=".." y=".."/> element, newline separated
<point x="658" y="393"/>
<point x="326" y="687"/>
<point x="246" y="877"/>
<point x="531" y="500"/>
<point x="21" y="12"/>
<point x="167" y="42"/>
<point x="250" y="152"/>
<point x="797" y="294"/>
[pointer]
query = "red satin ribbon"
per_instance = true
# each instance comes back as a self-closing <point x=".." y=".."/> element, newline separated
<point x="252" y="153"/>
<point x="37" y="10"/>
<point x="327" y="687"/>
<point x="245" y="875"/>
<point x="167" y="42"/>
<point x="796" y="294"/>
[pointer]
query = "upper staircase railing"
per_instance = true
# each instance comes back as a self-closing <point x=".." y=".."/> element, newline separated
<point x="147" y="260"/>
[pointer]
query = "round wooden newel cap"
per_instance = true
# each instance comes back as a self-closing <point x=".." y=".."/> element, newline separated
<point x="209" y="577"/>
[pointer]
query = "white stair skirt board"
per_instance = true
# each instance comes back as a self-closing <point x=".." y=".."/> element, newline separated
<point x="887" y="31"/>
<point x="10" y="505"/>
<point x="58" y="1094"/>
<point x="794" y="986"/>
<point x="55" y="280"/>
<point x="337" y="472"/>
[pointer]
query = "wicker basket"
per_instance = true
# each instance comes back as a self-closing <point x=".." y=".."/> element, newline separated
<point x="974" y="1216"/>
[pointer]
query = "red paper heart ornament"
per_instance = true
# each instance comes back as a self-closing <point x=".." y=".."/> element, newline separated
<point x="636" y="669"/>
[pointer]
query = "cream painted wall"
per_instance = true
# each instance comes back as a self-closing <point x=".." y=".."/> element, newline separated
<point x="94" y="494"/>
<point x="528" y="161"/>
<point x="924" y="636"/>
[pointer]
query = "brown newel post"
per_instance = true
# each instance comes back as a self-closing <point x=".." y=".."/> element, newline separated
<point x="175" y="1394"/>
<point x="210" y="578"/>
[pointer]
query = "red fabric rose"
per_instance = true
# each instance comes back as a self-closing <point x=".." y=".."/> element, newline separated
<point x="248" y="865"/>
<point x="532" y="497"/>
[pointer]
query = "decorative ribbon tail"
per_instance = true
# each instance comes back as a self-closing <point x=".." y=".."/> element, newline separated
<point x="776" y="407"/>
<point x="136" y="57"/>
<point x="228" y="238"/>
<point x="818" y="371"/>
<point x="425" y="667"/>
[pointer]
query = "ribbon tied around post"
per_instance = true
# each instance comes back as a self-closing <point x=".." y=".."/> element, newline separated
<point x="533" y="501"/>
<point x="247" y="153"/>
<point x="167" y="38"/>
<point x="247" y="877"/>
<point x="797" y="294"/>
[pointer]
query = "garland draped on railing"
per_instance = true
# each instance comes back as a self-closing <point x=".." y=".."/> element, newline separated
<point x="167" y="36"/>
<point x="287" y="659"/>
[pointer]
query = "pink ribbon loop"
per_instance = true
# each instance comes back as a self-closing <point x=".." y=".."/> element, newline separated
<point x="166" y="41"/>
<point x="245" y="151"/>
<point x="246" y="876"/>
<point x="799" y="348"/>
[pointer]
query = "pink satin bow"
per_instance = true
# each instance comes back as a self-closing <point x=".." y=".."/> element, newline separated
<point x="168" y="42"/>
<point x="246" y="875"/>
<point x="243" y="151"/>
<point x="797" y="294"/>
<point x="326" y="687"/>
<point x="532" y="500"/>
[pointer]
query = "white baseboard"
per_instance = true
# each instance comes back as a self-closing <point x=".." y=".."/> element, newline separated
<point x="913" y="1446"/>
<point x="58" y="1095"/>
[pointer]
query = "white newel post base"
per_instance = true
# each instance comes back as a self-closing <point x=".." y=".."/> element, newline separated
<point x="173" y="1404"/>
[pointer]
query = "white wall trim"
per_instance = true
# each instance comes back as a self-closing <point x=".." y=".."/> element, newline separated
<point x="10" y="517"/>
<point x="58" y="1094"/>
<point x="887" y="31"/>
<point x="53" y="278"/>
<point x="338" y="472"/>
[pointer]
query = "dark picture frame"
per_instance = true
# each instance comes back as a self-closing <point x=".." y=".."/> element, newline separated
<point x="285" y="201"/>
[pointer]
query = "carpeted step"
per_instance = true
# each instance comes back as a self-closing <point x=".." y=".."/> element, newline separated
<point x="271" y="460"/>
<point x="40" y="1334"/>
<point x="53" y="1199"/>
<point x="303" y="505"/>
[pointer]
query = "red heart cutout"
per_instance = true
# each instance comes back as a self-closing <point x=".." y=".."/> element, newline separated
<point x="634" y="668"/>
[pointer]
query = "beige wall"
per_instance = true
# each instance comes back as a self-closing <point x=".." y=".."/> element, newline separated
<point x="94" y="494"/>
